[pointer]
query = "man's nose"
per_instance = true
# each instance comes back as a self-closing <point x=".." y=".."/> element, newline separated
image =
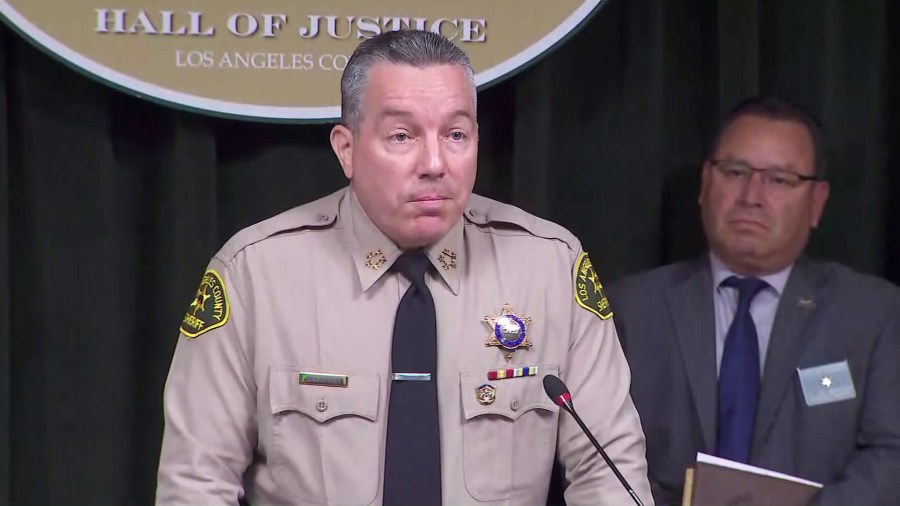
<point x="433" y="162"/>
<point x="751" y="193"/>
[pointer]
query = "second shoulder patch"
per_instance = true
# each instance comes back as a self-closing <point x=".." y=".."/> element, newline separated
<point x="588" y="290"/>
<point x="209" y="309"/>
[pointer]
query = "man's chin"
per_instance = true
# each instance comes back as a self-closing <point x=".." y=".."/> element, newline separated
<point x="427" y="231"/>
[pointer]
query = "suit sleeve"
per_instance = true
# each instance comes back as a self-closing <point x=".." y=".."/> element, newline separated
<point x="209" y="400"/>
<point x="599" y="380"/>
<point x="872" y="475"/>
<point x="620" y="298"/>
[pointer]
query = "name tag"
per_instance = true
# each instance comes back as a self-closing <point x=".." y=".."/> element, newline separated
<point x="827" y="383"/>
<point x="322" y="379"/>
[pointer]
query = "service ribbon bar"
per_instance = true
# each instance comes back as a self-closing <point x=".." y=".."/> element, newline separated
<point x="518" y="372"/>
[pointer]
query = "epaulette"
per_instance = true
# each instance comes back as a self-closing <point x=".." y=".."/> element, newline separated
<point x="505" y="219"/>
<point x="319" y="214"/>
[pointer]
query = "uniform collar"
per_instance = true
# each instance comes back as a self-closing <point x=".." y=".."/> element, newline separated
<point x="447" y="256"/>
<point x="374" y="253"/>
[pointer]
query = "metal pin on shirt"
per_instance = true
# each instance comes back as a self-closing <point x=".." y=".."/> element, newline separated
<point x="411" y="376"/>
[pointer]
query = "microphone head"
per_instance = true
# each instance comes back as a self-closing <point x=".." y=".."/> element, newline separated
<point x="557" y="391"/>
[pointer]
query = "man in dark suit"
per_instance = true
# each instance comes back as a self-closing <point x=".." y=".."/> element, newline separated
<point x="755" y="352"/>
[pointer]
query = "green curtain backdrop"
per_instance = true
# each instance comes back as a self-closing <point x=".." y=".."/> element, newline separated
<point x="110" y="206"/>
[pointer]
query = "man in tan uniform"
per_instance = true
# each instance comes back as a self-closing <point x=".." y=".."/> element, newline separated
<point x="281" y="383"/>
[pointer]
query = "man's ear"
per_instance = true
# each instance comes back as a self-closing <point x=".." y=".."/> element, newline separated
<point x="704" y="181"/>
<point x="342" y="144"/>
<point x="819" y="198"/>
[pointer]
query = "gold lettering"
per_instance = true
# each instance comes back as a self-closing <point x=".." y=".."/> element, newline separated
<point x="603" y="304"/>
<point x="218" y="307"/>
<point x="582" y="292"/>
<point x="193" y="322"/>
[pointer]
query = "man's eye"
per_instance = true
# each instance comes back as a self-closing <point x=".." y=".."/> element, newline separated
<point x="400" y="137"/>
<point x="780" y="179"/>
<point x="457" y="136"/>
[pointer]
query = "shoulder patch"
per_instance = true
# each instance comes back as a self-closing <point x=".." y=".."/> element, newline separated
<point x="209" y="309"/>
<point x="588" y="290"/>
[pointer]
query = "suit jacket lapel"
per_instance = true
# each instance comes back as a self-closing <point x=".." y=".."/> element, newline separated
<point x="691" y="307"/>
<point x="803" y="298"/>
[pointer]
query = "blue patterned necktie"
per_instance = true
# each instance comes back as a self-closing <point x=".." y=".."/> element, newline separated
<point x="739" y="376"/>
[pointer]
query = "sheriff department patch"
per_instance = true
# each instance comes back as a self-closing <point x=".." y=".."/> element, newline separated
<point x="209" y="309"/>
<point x="588" y="290"/>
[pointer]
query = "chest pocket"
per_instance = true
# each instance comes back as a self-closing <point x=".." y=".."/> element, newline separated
<point x="326" y="437"/>
<point x="508" y="443"/>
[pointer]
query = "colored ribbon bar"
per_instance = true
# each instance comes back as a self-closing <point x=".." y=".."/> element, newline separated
<point x="518" y="372"/>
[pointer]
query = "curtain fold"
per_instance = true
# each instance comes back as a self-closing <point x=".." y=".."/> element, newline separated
<point x="112" y="205"/>
<point x="5" y="375"/>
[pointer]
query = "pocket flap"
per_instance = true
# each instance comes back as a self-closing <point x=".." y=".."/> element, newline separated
<point x="322" y="403"/>
<point x="512" y="396"/>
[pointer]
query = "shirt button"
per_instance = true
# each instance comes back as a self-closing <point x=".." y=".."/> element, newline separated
<point x="321" y="405"/>
<point x="514" y="405"/>
<point x="321" y="218"/>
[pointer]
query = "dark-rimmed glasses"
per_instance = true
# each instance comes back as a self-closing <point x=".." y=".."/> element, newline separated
<point x="772" y="177"/>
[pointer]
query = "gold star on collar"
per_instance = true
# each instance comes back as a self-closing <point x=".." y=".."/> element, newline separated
<point x="447" y="259"/>
<point x="509" y="332"/>
<point x="375" y="259"/>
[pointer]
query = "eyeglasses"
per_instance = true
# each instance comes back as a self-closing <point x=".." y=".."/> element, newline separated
<point x="775" y="178"/>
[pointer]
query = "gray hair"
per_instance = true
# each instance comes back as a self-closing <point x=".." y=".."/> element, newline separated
<point x="417" y="48"/>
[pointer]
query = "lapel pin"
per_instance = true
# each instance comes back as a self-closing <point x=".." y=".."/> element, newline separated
<point x="447" y="259"/>
<point x="375" y="259"/>
<point x="806" y="303"/>
<point x="486" y="394"/>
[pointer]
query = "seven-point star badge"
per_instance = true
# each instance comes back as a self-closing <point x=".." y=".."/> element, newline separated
<point x="509" y="331"/>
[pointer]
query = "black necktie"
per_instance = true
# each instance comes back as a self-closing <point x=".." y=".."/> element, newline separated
<point x="412" y="467"/>
<point x="739" y="376"/>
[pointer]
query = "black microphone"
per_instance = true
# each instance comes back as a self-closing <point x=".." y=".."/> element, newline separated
<point x="558" y="392"/>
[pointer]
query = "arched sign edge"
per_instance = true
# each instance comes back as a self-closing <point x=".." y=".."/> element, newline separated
<point x="272" y="114"/>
